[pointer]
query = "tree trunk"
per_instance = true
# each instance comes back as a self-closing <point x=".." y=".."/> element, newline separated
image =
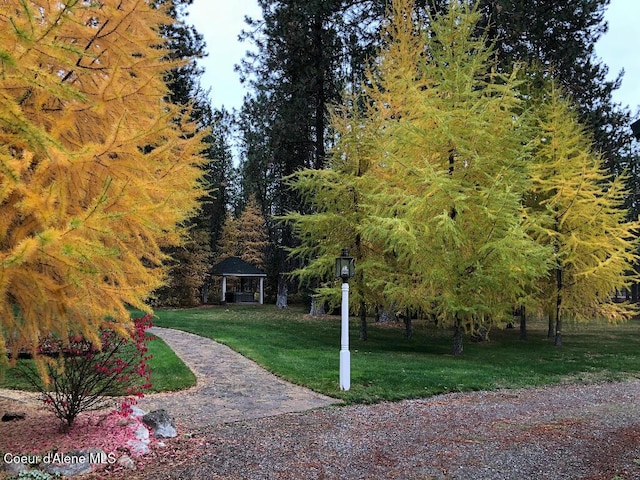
<point x="317" y="308"/>
<point x="523" y="323"/>
<point x="384" y="315"/>
<point x="558" y="340"/>
<point x="205" y="291"/>
<point x="320" y="95"/>
<point x="408" y="326"/>
<point x="551" y="329"/>
<point x="457" y="338"/>
<point x="363" y="322"/>
<point x="281" y="299"/>
<point x="558" y="330"/>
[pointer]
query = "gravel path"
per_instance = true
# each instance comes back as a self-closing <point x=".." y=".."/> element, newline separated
<point x="560" y="432"/>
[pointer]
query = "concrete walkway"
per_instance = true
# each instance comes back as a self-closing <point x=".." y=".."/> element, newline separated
<point x="229" y="386"/>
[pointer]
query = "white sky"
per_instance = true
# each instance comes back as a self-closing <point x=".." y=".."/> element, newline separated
<point x="220" y="21"/>
<point x="618" y="49"/>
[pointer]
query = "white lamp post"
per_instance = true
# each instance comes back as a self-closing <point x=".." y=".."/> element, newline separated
<point x="345" y="269"/>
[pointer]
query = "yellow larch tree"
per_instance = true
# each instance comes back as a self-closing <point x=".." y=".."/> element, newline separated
<point x="446" y="189"/>
<point x="97" y="170"/>
<point x="581" y="216"/>
<point x="253" y="238"/>
<point x="435" y="213"/>
<point x="333" y="195"/>
<point x="245" y="237"/>
<point x="228" y="245"/>
<point x="337" y="197"/>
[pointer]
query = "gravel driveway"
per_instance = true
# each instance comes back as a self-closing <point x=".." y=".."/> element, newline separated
<point x="560" y="432"/>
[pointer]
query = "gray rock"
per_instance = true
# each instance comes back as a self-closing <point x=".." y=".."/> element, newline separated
<point x="137" y="412"/>
<point x="137" y="448"/>
<point x="11" y="416"/>
<point x="140" y="445"/>
<point x="161" y="423"/>
<point x="126" y="462"/>
<point x="14" y="468"/>
<point x="142" y="433"/>
<point x="69" y="464"/>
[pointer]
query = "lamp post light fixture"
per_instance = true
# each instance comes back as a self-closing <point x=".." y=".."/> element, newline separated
<point x="635" y="128"/>
<point x="345" y="269"/>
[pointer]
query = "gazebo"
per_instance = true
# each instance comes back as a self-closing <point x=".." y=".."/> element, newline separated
<point x="236" y="267"/>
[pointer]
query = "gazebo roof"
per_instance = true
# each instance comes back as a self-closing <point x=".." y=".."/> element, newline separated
<point x="236" y="267"/>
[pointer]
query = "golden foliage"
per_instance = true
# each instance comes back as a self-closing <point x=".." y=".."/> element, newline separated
<point x="246" y="236"/>
<point x="426" y="181"/>
<point x="580" y="214"/>
<point x="97" y="170"/>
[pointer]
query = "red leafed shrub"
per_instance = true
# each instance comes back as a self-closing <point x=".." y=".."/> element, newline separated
<point x="84" y="377"/>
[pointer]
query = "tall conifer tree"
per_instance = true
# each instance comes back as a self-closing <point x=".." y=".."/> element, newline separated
<point x="581" y="216"/>
<point x="307" y="51"/>
<point x="440" y="199"/>
<point x="97" y="170"/>
<point x="246" y="236"/>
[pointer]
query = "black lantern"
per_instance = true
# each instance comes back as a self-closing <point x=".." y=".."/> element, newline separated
<point x="345" y="266"/>
<point x="635" y="128"/>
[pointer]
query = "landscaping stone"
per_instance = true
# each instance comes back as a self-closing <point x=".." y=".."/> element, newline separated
<point x="140" y="445"/>
<point x="73" y="463"/>
<point x="137" y="412"/>
<point x="127" y="462"/>
<point x="11" y="416"/>
<point x="142" y="433"/>
<point x="138" y="448"/>
<point x="14" y="468"/>
<point x="134" y="417"/>
<point x="161" y="423"/>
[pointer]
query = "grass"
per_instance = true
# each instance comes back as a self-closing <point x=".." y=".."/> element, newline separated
<point x="305" y="351"/>
<point x="168" y="372"/>
<point x="389" y="367"/>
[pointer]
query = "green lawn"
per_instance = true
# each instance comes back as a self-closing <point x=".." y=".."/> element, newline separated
<point x="388" y="367"/>
<point x="168" y="372"/>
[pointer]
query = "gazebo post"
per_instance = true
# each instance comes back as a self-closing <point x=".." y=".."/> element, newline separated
<point x="224" y="289"/>
<point x="261" y="290"/>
